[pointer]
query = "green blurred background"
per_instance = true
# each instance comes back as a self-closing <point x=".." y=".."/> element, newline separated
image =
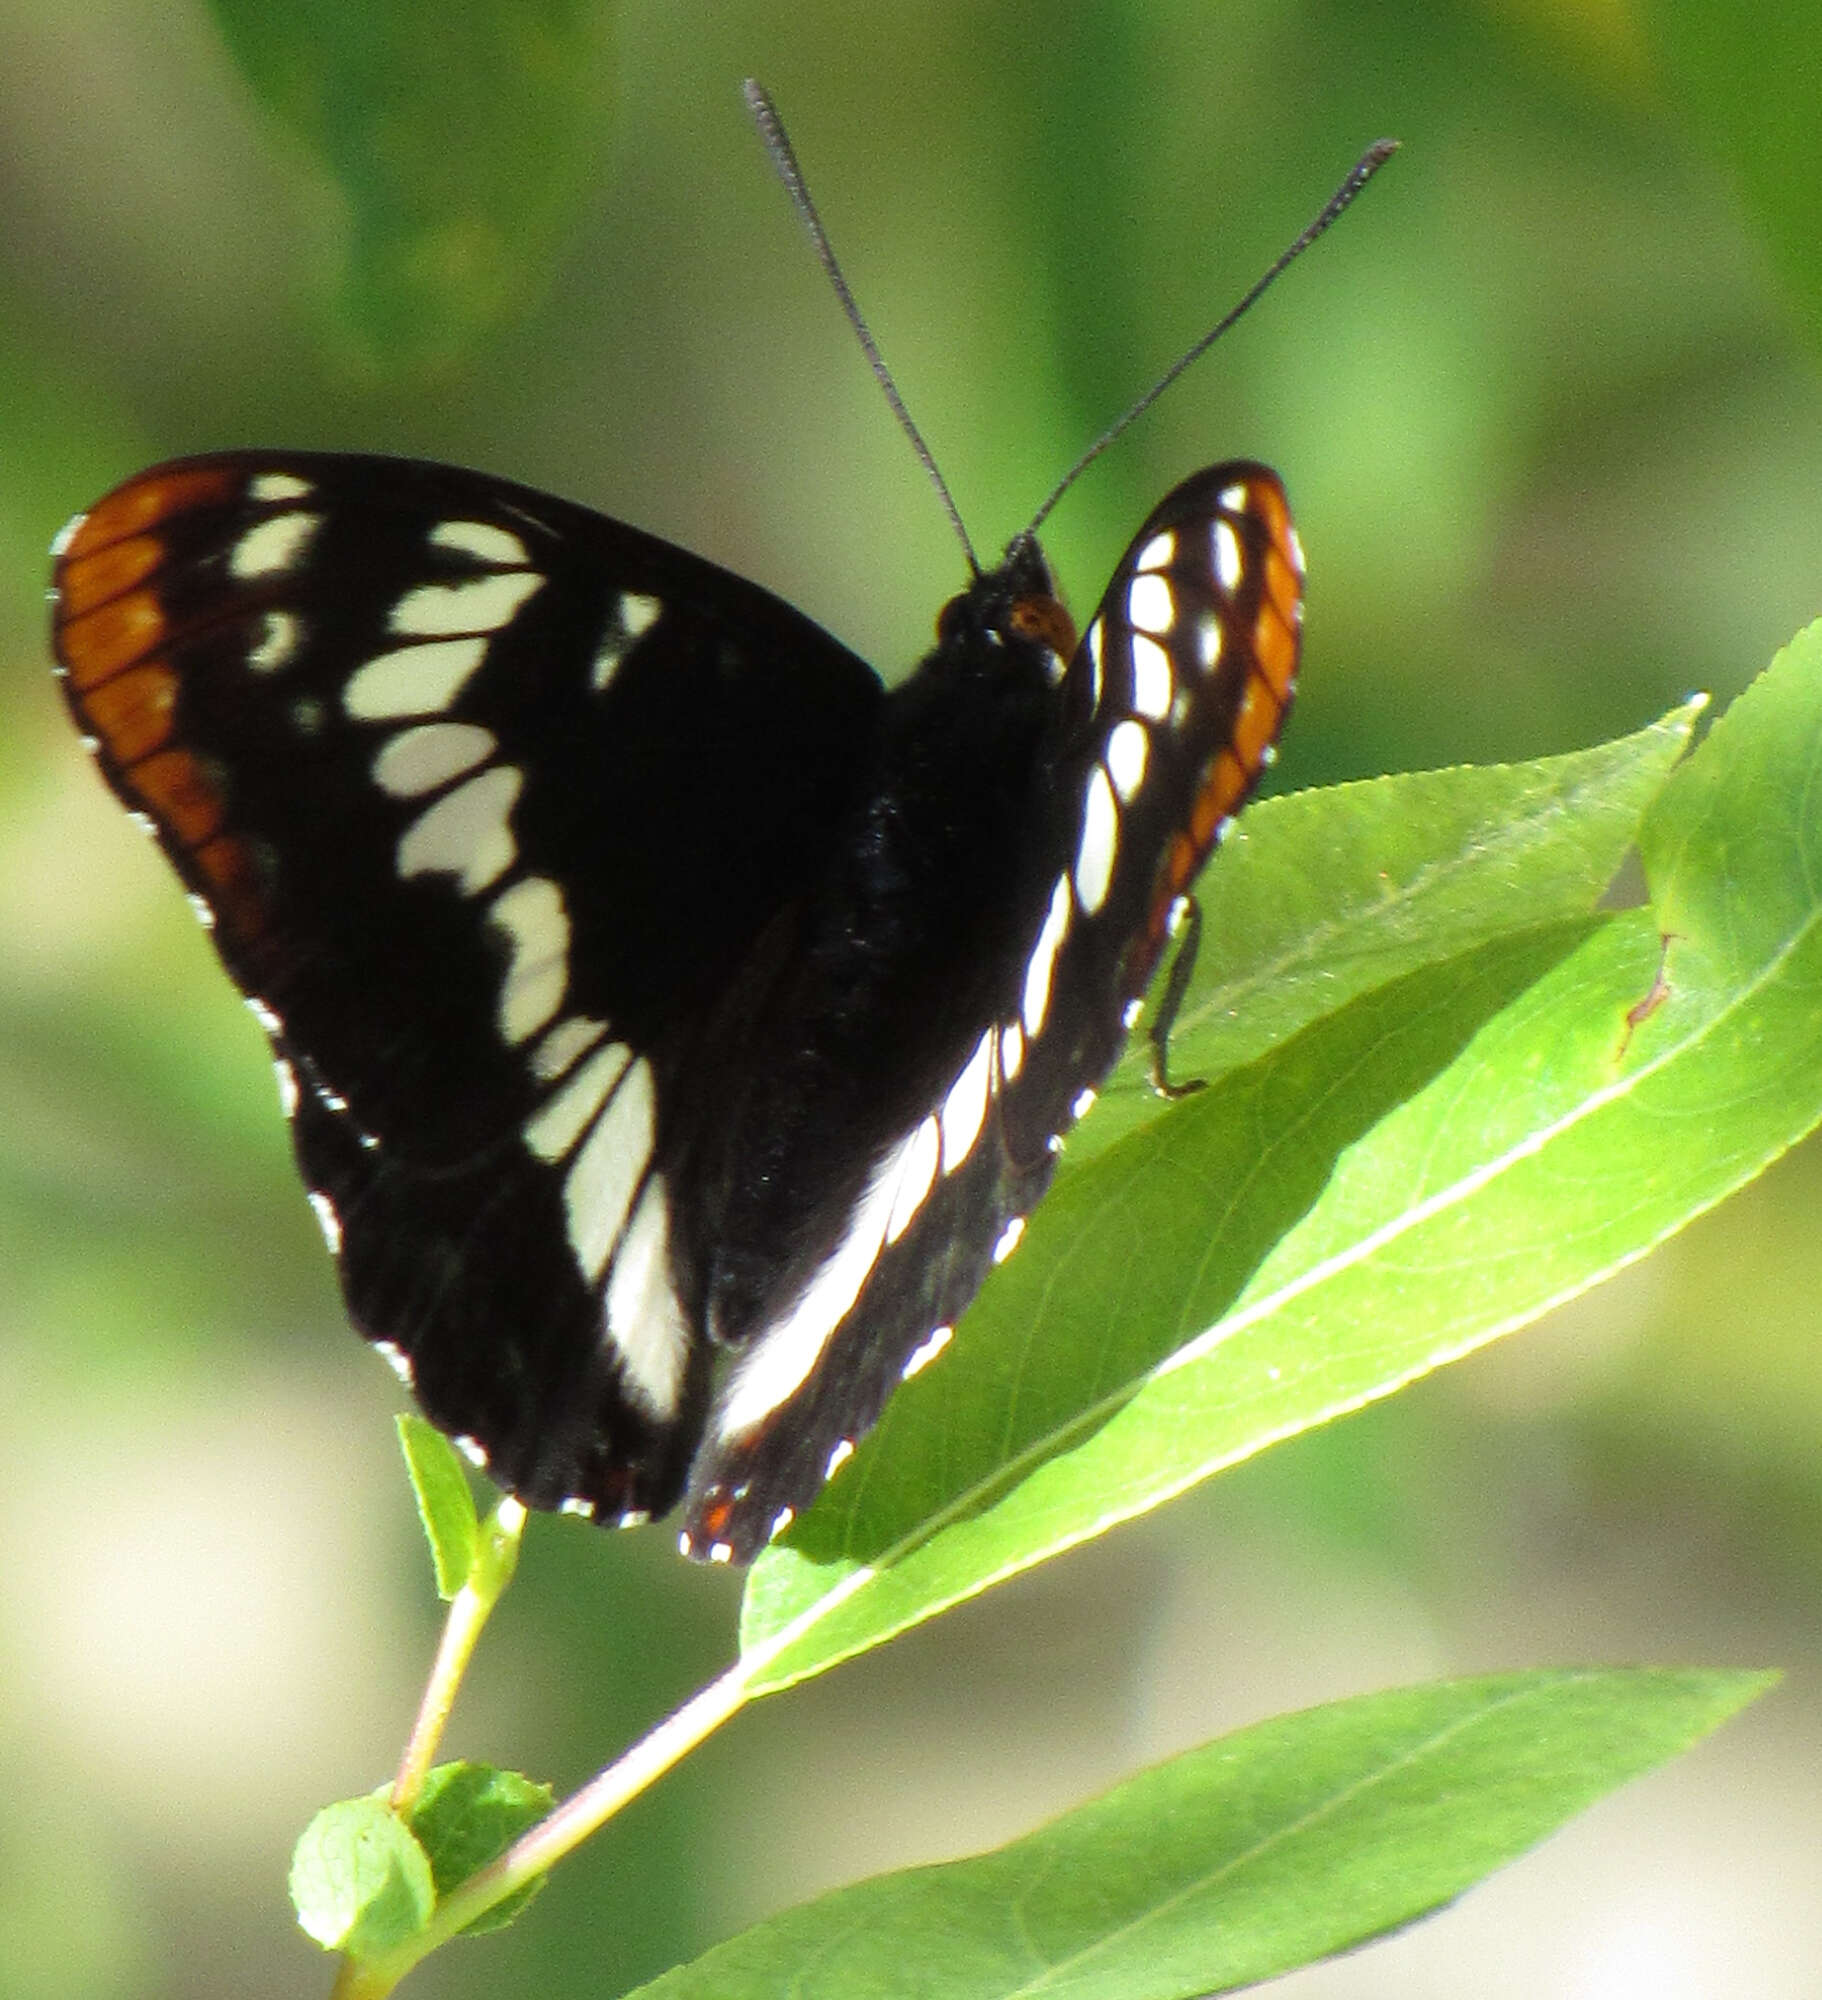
<point x="1547" y="406"/>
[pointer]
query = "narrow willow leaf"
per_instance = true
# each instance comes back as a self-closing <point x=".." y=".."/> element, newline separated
<point x="1322" y="896"/>
<point x="1440" y="1161"/>
<point x="1247" y="1858"/>
<point x="445" y="1502"/>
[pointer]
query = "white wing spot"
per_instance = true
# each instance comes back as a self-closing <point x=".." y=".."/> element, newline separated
<point x="1228" y="566"/>
<point x="638" y="613"/>
<point x="1209" y="640"/>
<point x="1084" y="1103"/>
<point x="965" y="1108"/>
<point x="915" y="1178"/>
<point x="200" y="910"/>
<point x="264" y="1015"/>
<point x="585" y="1508"/>
<point x="268" y="486"/>
<point x="1012" y="1050"/>
<point x="608" y="655"/>
<point x="477" y="604"/>
<point x="1131" y="1012"/>
<point x="598" y="1189"/>
<point x="1043" y="959"/>
<point x="473" y="1450"/>
<point x="552" y="1133"/>
<point x="412" y="680"/>
<point x="482" y="540"/>
<point x="781" y="1358"/>
<point x="644" y="1322"/>
<point x="287" y="1086"/>
<point x="1150" y="677"/>
<point x="1127" y="750"/>
<point x="1159" y="552"/>
<point x="921" y="1357"/>
<point x="780" y="1522"/>
<point x="425" y="758"/>
<point x="565" y="1044"/>
<point x="465" y="833"/>
<point x="1094" y="661"/>
<point x="327" y="1220"/>
<point x="396" y="1359"/>
<point x="1233" y="498"/>
<point x="838" y="1458"/>
<point x="273" y="546"/>
<point x="1009" y="1239"/>
<point x="1150" y="604"/>
<point x="633" y="616"/>
<point x="1296" y="545"/>
<point x="532" y="915"/>
<point x="1100" y="840"/>
<point x="277" y="642"/>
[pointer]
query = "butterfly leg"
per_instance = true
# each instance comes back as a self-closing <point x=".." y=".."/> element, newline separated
<point x="1176" y="985"/>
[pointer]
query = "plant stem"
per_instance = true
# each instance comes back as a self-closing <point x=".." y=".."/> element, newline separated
<point x="469" y="1611"/>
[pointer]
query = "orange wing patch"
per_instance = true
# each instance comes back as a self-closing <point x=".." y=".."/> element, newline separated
<point x="122" y="663"/>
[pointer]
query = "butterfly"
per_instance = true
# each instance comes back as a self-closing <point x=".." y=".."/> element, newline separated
<point x="675" y="1023"/>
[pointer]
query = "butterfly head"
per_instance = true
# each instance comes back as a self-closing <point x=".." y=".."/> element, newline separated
<point x="1014" y="607"/>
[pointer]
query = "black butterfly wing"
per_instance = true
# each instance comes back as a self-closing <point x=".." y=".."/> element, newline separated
<point x="1148" y="743"/>
<point x="1186" y="673"/>
<point x="485" y="798"/>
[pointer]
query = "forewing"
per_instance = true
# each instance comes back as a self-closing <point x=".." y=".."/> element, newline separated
<point x="1172" y="709"/>
<point x="484" y="797"/>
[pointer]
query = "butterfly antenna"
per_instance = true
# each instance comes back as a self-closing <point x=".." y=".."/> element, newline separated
<point x="784" y="160"/>
<point x="1363" y="171"/>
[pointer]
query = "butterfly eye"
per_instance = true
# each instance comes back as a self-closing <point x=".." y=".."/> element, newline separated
<point x="951" y="619"/>
<point x="1044" y="620"/>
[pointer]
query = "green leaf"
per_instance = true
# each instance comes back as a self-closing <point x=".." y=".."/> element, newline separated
<point x="465" y="140"/>
<point x="1322" y="896"/>
<point x="1244" y="1859"/>
<point x="468" y="1815"/>
<point x="359" y="1882"/>
<point x="1437" y="1162"/>
<point x="445" y="1503"/>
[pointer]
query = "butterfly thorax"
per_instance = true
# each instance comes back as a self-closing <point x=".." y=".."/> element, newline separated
<point x="865" y="1000"/>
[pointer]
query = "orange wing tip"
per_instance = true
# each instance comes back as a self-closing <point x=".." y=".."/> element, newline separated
<point x="1275" y="649"/>
<point x="119" y="634"/>
<point x="143" y="503"/>
<point x="84" y="583"/>
<point x="236" y="885"/>
<point x="1257" y="723"/>
<point x="181" y="794"/>
<point x="132" y="712"/>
